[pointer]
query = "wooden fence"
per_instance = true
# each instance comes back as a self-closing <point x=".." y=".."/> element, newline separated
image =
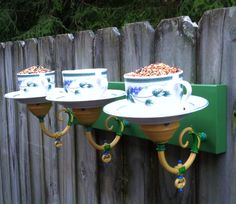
<point x="33" y="171"/>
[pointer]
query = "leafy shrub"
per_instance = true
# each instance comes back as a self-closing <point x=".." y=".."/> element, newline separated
<point x="21" y="19"/>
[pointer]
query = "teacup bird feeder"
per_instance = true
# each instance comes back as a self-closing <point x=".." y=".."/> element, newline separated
<point x="147" y="105"/>
<point x="80" y="111"/>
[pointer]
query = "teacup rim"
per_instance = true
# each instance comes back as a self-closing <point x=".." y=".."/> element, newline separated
<point x="37" y="74"/>
<point x="83" y="70"/>
<point x="127" y="76"/>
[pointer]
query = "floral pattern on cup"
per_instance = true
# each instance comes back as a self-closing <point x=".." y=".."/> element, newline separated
<point x="82" y="85"/>
<point x="36" y="83"/>
<point x="133" y="94"/>
<point x="85" y="83"/>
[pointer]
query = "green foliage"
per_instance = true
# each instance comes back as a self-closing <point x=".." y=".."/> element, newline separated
<point x="21" y="19"/>
<point x="46" y="25"/>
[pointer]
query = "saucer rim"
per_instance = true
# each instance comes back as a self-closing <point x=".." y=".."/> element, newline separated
<point x="109" y="109"/>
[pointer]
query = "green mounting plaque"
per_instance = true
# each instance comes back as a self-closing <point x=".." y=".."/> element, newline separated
<point x="211" y="120"/>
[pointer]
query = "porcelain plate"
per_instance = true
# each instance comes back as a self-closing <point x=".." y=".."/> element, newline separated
<point x="23" y="97"/>
<point x="61" y="97"/>
<point x="145" y="115"/>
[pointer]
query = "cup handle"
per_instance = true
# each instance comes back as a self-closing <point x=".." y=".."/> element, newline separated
<point x="44" y="81"/>
<point x="188" y="87"/>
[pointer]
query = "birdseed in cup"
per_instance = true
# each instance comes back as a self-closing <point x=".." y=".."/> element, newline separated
<point x="36" y="80"/>
<point x="159" y="69"/>
<point x="34" y="70"/>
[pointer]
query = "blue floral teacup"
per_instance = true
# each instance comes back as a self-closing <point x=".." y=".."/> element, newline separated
<point x="164" y="93"/>
<point x="88" y="84"/>
<point x="34" y="84"/>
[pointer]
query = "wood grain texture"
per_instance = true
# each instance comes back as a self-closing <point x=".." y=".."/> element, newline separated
<point x="4" y="150"/>
<point x="217" y="65"/>
<point x="175" y="44"/>
<point x="64" y="60"/>
<point x="107" y="54"/>
<point x="137" y="51"/>
<point x="12" y="125"/>
<point x="137" y="46"/>
<point x="1" y="190"/>
<point x="86" y="159"/>
<point x="34" y="133"/>
<point x="47" y="152"/>
<point x="22" y="133"/>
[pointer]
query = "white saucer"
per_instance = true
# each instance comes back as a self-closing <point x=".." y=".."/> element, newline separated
<point x="22" y="97"/>
<point x="146" y="115"/>
<point x="61" y="97"/>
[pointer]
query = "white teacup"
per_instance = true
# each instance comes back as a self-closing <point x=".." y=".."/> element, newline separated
<point x="36" y="84"/>
<point x="89" y="83"/>
<point x="163" y="93"/>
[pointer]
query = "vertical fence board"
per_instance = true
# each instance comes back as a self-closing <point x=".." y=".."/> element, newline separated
<point x="35" y="136"/>
<point x="217" y="64"/>
<point x="175" y="44"/>
<point x="107" y="54"/>
<point x="50" y="170"/>
<point x="4" y="137"/>
<point x="86" y="160"/>
<point x="22" y="134"/>
<point x="12" y="125"/>
<point x="137" y="51"/>
<point x="1" y="190"/>
<point x="64" y="60"/>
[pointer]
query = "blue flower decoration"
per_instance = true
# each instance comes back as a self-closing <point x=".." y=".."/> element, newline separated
<point x="67" y="83"/>
<point x="85" y="85"/>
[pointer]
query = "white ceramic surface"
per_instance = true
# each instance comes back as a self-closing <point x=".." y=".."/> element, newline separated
<point x="85" y="83"/>
<point x="126" y="110"/>
<point x="23" y="97"/>
<point x="157" y="91"/>
<point x="40" y="83"/>
<point x="60" y="96"/>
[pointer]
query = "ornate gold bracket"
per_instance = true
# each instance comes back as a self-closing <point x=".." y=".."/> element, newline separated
<point x="106" y="147"/>
<point x="180" y="168"/>
<point x="40" y="111"/>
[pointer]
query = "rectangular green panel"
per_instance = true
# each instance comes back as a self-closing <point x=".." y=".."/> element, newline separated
<point x="211" y="120"/>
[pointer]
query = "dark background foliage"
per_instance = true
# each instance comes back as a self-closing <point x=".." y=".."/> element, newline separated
<point x="22" y="19"/>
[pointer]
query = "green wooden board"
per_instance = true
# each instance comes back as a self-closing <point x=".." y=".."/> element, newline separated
<point x="211" y="120"/>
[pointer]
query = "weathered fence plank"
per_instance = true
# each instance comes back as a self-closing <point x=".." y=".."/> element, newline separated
<point x="107" y="54"/>
<point x="47" y="151"/>
<point x="1" y="190"/>
<point x="137" y="51"/>
<point x="217" y="49"/>
<point x="65" y="60"/>
<point x="22" y="134"/>
<point x="12" y="125"/>
<point x="86" y="160"/>
<point x="175" y="44"/>
<point x="35" y="136"/>
<point x="4" y="150"/>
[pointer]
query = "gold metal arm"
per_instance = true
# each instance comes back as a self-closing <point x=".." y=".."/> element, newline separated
<point x="106" y="157"/>
<point x="175" y="170"/>
<point x="89" y="136"/>
<point x="190" y="160"/>
<point x="57" y="135"/>
<point x="40" y="110"/>
<point x="180" y="168"/>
